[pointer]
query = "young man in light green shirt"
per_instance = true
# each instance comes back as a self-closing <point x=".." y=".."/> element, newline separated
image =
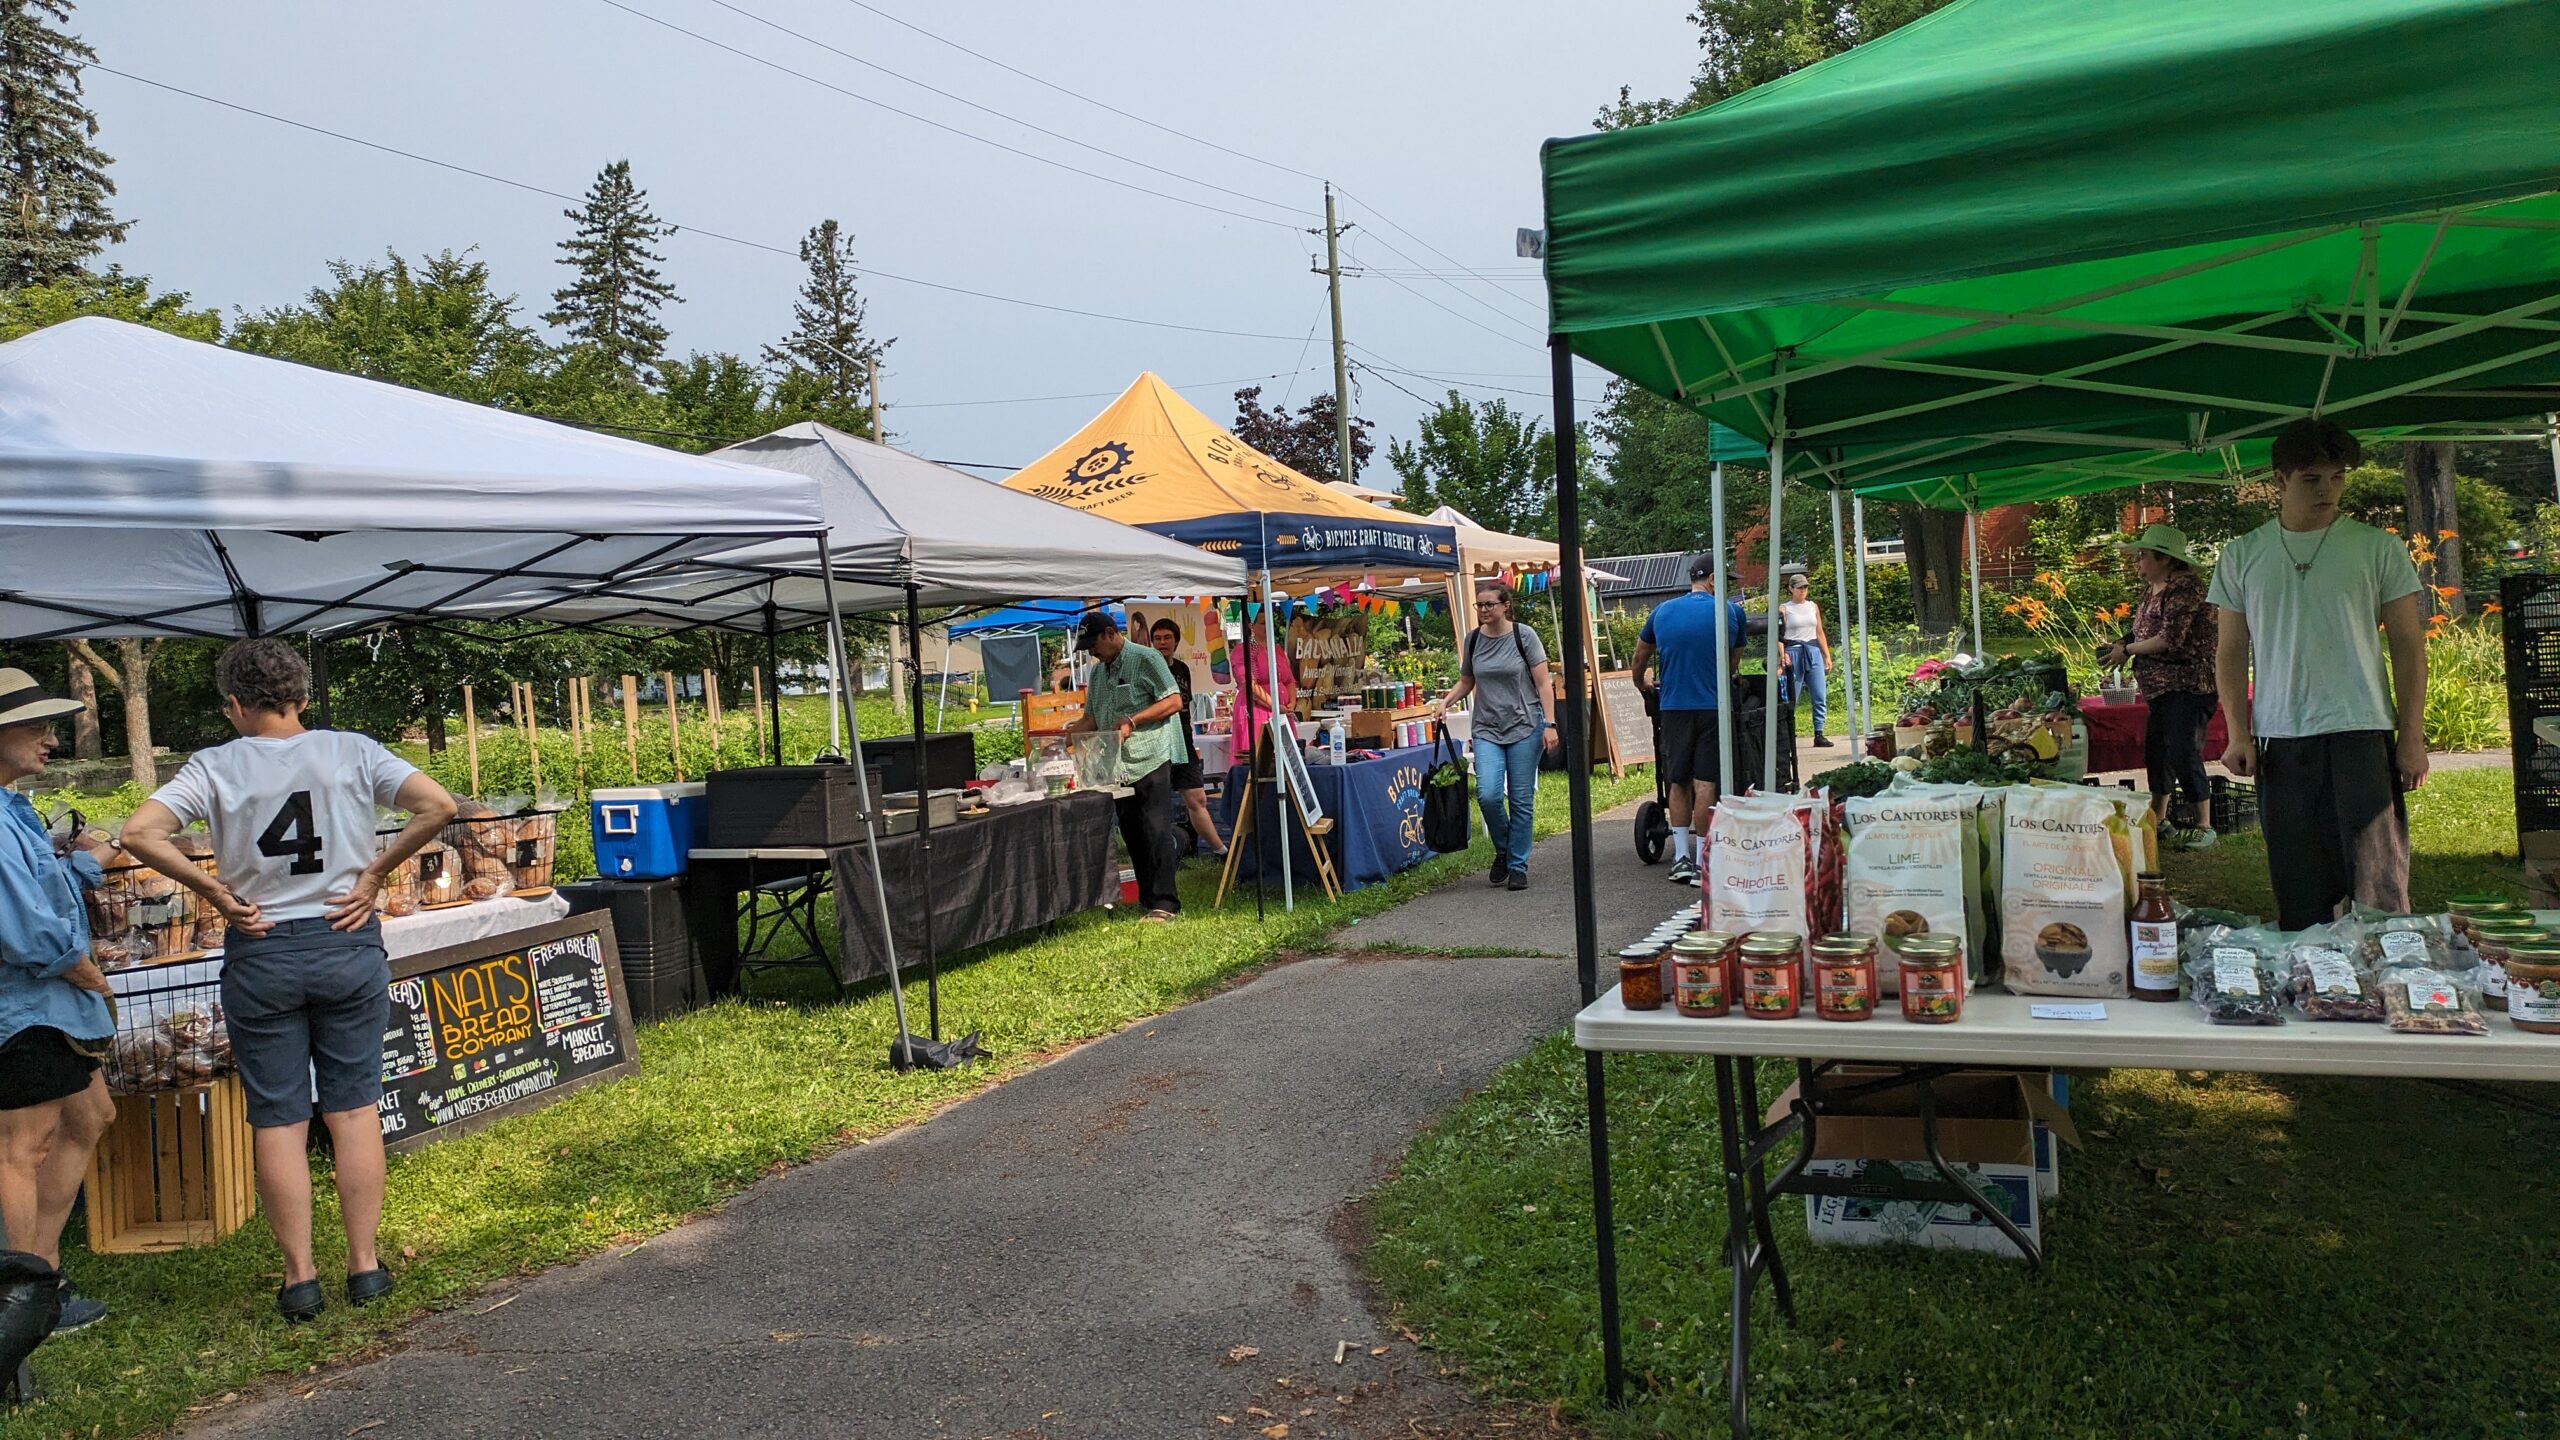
<point x="1131" y="692"/>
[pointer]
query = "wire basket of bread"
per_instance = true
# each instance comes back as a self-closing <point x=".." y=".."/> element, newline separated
<point x="138" y="916"/>
<point x="169" y="1034"/>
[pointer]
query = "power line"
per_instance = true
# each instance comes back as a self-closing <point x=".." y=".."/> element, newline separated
<point x="787" y="252"/>
<point x="1088" y="395"/>
<point x="1465" y="294"/>
<point x="1470" y="319"/>
<point x="938" y="125"/>
<point x="1001" y="115"/>
<point x="1080" y="95"/>
<point x="1322" y="304"/>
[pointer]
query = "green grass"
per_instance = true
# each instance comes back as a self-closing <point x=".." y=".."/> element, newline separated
<point x="724" y="1096"/>
<point x="2231" y="1256"/>
<point x="2462" y="835"/>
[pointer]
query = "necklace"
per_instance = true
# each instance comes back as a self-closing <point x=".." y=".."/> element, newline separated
<point x="2303" y="567"/>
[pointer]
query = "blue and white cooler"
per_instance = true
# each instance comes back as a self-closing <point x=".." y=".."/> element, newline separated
<point x="644" y="832"/>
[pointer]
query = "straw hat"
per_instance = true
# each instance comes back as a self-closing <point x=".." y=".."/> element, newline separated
<point x="22" y="702"/>
<point x="2168" y="540"/>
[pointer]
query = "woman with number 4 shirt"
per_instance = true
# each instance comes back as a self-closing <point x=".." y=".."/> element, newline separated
<point x="306" y="986"/>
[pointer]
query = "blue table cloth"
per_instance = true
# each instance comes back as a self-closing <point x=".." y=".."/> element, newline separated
<point x="1376" y="808"/>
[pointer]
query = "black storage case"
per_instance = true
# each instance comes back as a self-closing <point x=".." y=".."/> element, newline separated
<point x="777" y="805"/>
<point x="661" y="974"/>
<point x="950" y="760"/>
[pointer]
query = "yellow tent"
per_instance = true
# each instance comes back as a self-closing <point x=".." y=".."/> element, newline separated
<point x="1153" y="460"/>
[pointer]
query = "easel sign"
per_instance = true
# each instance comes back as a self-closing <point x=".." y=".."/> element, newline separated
<point x="1302" y="798"/>
<point x="1623" y="721"/>
<point x="1283" y="735"/>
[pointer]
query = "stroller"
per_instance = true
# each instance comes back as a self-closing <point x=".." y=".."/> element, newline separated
<point x="1653" y="817"/>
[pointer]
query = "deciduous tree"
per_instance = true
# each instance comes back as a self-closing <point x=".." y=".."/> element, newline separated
<point x="1493" y="465"/>
<point x="1306" y="440"/>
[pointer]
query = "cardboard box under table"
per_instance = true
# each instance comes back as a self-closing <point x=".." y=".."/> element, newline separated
<point x="1998" y="1031"/>
<point x="1877" y="1172"/>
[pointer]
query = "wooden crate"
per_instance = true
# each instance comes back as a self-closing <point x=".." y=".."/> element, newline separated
<point x="174" y="1170"/>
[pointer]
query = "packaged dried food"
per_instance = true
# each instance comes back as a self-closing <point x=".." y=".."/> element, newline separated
<point x="2412" y="941"/>
<point x="2420" y="1001"/>
<point x="2062" y="896"/>
<point x="2327" y="982"/>
<point x="2241" y="978"/>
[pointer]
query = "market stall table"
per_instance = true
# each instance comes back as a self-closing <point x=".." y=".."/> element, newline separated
<point x="1011" y="869"/>
<point x="1998" y="1031"/>
<point x="2116" y="735"/>
<point x="1376" y="807"/>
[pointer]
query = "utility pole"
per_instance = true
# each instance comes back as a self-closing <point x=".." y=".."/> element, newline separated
<point x="871" y="388"/>
<point x="1341" y="364"/>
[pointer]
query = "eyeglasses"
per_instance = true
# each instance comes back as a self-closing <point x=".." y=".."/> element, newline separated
<point x="1491" y="600"/>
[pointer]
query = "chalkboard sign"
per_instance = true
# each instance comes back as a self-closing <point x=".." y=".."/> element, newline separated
<point x="1622" y="712"/>
<point x="1283" y="735"/>
<point x="501" y="1025"/>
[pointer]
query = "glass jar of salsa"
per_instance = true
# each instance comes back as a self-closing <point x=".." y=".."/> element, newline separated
<point x="1700" y="986"/>
<point x="2533" y="987"/>
<point x="1932" y="979"/>
<point x="1772" y="972"/>
<point x="1844" y="977"/>
<point x="2492" y="938"/>
<point x="1640" y="977"/>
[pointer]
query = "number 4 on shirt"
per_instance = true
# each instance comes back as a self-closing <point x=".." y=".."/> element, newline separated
<point x="293" y="833"/>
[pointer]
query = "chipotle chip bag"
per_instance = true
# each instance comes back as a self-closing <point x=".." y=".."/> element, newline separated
<point x="1759" y="859"/>
<point x="2062" y="904"/>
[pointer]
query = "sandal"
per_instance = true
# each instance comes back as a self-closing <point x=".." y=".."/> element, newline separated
<point x="1159" y="917"/>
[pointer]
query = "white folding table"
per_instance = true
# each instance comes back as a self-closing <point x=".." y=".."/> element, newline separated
<point x="1996" y="1030"/>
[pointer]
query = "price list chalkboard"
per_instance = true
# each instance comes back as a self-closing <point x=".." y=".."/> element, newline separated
<point x="501" y="1025"/>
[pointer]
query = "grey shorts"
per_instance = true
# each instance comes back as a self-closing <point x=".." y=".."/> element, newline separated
<point x="306" y="1002"/>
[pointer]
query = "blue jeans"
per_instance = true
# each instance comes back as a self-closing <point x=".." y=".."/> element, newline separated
<point x="1805" y="671"/>
<point x="1509" y="772"/>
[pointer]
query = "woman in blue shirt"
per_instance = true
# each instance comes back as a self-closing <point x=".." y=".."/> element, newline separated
<point x="54" y="1017"/>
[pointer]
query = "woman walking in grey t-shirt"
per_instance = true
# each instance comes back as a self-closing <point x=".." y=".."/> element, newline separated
<point x="1504" y="666"/>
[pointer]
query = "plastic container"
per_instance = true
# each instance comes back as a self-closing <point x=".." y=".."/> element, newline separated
<point x="1771" y="975"/>
<point x="2492" y="937"/>
<point x="1640" y="982"/>
<point x="1932" y="980"/>
<point x="1844" y="977"/>
<point x="645" y="832"/>
<point x="2466" y="909"/>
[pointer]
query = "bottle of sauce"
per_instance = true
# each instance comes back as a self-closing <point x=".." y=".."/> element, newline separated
<point x="2155" y="940"/>
<point x="1771" y="974"/>
<point x="1701" y="985"/>
<point x="1844" y="977"/>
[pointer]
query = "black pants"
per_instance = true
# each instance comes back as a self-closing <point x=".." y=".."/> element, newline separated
<point x="2330" y="805"/>
<point x="1146" y="827"/>
<point x="2173" y="745"/>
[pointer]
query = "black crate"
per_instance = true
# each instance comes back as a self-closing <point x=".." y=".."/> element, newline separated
<point x="2235" y="805"/>
<point x="776" y="805"/>
<point x="2537" y="769"/>
<point x="653" y="936"/>
<point x="2530" y="624"/>
<point x="950" y="760"/>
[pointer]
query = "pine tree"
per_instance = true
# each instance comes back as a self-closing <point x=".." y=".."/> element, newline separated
<point x="53" y="213"/>
<point x="612" y="306"/>
<point x="822" y="358"/>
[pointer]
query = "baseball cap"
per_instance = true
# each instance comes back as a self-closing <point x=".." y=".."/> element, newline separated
<point x="1093" y="627"/>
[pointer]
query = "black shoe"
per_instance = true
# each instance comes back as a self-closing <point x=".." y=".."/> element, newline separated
<point x="1821" y="743"/>
<point x="1519" y="880"/>
<point x="79" y="1312"/>
<point x="365" y="1287"/>
<point x="300" y="1304"/>
<point x="1501" y="872"/>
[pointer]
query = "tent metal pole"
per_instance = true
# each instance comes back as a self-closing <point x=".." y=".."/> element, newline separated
<point x="1244" y="698"/>
<point x="841" y="702"/>
<point x="1840" y="617"/>
<point x="1586" y="923"/>
<point x="1973" y="571"/>
<point x="2555" y="455"/>
<point x="773" y="670"/>
<point x="1866" y="658"/>
<point x="1283" y="728"/>
<point x="1776" y="661"/>
<point x="1723" y="682"/>
<point x="924" y="823"/>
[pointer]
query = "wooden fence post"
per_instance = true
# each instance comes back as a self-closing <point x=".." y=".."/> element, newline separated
<point x="631" y="723"/>
<point x="471" y="740"/>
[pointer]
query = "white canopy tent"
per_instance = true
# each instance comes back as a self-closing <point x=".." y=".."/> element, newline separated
<point x="153" y="485"/>
<point x="901" y="530"/>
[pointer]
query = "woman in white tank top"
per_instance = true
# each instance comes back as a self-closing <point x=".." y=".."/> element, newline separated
<point x="1808" y="651"/>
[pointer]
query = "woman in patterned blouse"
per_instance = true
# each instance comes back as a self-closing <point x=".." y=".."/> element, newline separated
<point x="2171" y="649"/>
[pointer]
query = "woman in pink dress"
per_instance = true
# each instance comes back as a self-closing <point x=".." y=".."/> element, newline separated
<point x="1255" y="704"/>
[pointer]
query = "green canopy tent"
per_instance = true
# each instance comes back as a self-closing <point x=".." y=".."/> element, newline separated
<point x="2019" y="234"/>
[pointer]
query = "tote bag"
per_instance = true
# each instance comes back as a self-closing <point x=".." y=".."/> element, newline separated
<point x="1445" y="827"/>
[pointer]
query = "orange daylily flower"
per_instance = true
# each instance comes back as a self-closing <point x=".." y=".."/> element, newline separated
<point x="2491" y="607"/>
<point x="2448" y="591"/>
<point x="2444" y="534"/>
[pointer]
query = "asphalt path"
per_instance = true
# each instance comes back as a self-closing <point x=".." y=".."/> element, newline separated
<point x="1149" y="1237"/>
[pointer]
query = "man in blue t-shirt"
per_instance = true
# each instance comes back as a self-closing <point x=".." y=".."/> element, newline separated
<point x="1682" y="632"/>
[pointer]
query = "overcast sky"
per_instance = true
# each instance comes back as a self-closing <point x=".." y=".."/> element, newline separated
<point x="1429" y="114"/>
